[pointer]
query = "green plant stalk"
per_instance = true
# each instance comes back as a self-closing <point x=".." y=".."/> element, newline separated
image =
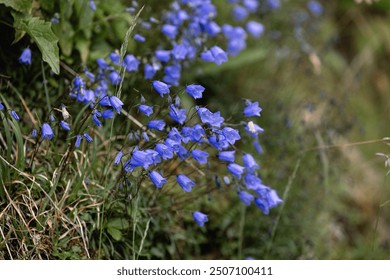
<point x="48" y="103"/>
<point x="285" y="196"/>
<point x="241" y="231"/>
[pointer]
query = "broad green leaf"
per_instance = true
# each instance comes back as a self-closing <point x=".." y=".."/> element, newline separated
<point x="40" y="31"/>
<point x="118" y="223"/>
<point x="23" y="6"/>
<point x="65" y="33"/>
<point x="19" y="32"/>
<point x="115" y="233"/>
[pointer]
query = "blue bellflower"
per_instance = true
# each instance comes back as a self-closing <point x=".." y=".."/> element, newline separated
<point x="235" y="169"/>
<point x="157" y="179"/>
<point x="118" y="157"/>
<point x="161" y="87"/>
<point x="25" y="57"/>
<point x="200" y="156"/>
<point x="195" y="91"/>
<point x="156" y="124"/>
<point x="47" y="132"/>
<point x="252" y="109"/>
<point x="200" y="218"/>
<point x="145" y="109"/>
<point x="227" y="156"/>
<point x="178" y="115"/>
<point x="185" y="183"/>
<point x="246" y="197"/>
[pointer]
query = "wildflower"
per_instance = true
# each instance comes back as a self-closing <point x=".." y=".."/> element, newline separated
<point x="253" y="182"/>
<point x="164" y="151"/>
<point x="102" y="63"/>
<point x="1" y="106"/>
<point x="237" y="38"/>
<point x="65" y="125"/>
<point x="247" y="198"/>
<point x="47" y="132"/>
<point x="15" y="115"/>
<point x="173" y="73"/>
<point x="145" y="136"/>
<point x="231" y="135"/>
<point x="315" y="7"/>
<point x="161" y="88"/>
<point x="268" y="201"/>
<point x="200" y="218"/>
<point x="252" y="109"/>
<point x="157" y="179"/>
<point x="235" y="169"/>
<point x="226" y="180"/>
<point x="240" y="13"/>
<point x="95" y="118"/>
<point x="87" y="137"/>
<point x="92" y="5"/>
<point x="179" y="52"/>
<point x="195" y="91"/>
<point x="253" y="129"/>
<point x="34" y="133"/>
<point x="108" y="114"/>
<point x="200" y="156"/>
<point x="218" y="141"/>
<point x="169" y="30"/>
<point x="115" y="57"/>
<point x="212" y="119"/>
<point x="194" y="134"/>
<point x="156" y="124"/>
<point x="131" y="63"/>
<point x="163" y="55"/>
<point x="25" y="57"/>
<point x="256" y="29"/>
<point x="78" y="141"/>
<point x="250" y="163"/>
<point x="115" y="78"/>
<point x="273" y="4"/>
<point x="227" y="156"/>
<point x="112" y="101"/>
<point x="215" y="54"/>
<point x="251" y="5"/>
<point x="118" y="158"/>
<point x="139" y="38"/>
<point x="145" y="109"/>
<point x="149" y="71"/>
<point x="185" y="183"/>
<point x="139" y="158"/>
<point x="178" y="115"/>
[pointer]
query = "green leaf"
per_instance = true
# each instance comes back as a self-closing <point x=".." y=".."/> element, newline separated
<point x="83" y="45"/>
<point x="23" y="6"/>
<point x="115" y="233"/>
<point x="40" y="31"/>
<point x="118" y="223"/>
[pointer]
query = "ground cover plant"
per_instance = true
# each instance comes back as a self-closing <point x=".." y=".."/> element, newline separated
<point x="133" y="130"/>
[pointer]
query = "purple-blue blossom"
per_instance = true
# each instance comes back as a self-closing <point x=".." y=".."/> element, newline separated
<point x="185" y="183"/>
<point x="156" y="124"/>
<point x="252" y="109"/>
<point x="25" y="57"/>
<point x="195" y="91"/>
<point x="47" y="132"/>
<point x="200" y="218"/>
<point x="236" y="169"/>
<point x="157" y="179"/>
<point x="200" y="156"/>
<point x="161" y="87"/>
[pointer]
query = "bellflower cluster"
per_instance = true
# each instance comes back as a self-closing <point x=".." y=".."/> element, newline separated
<point x="164" y="130"/>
